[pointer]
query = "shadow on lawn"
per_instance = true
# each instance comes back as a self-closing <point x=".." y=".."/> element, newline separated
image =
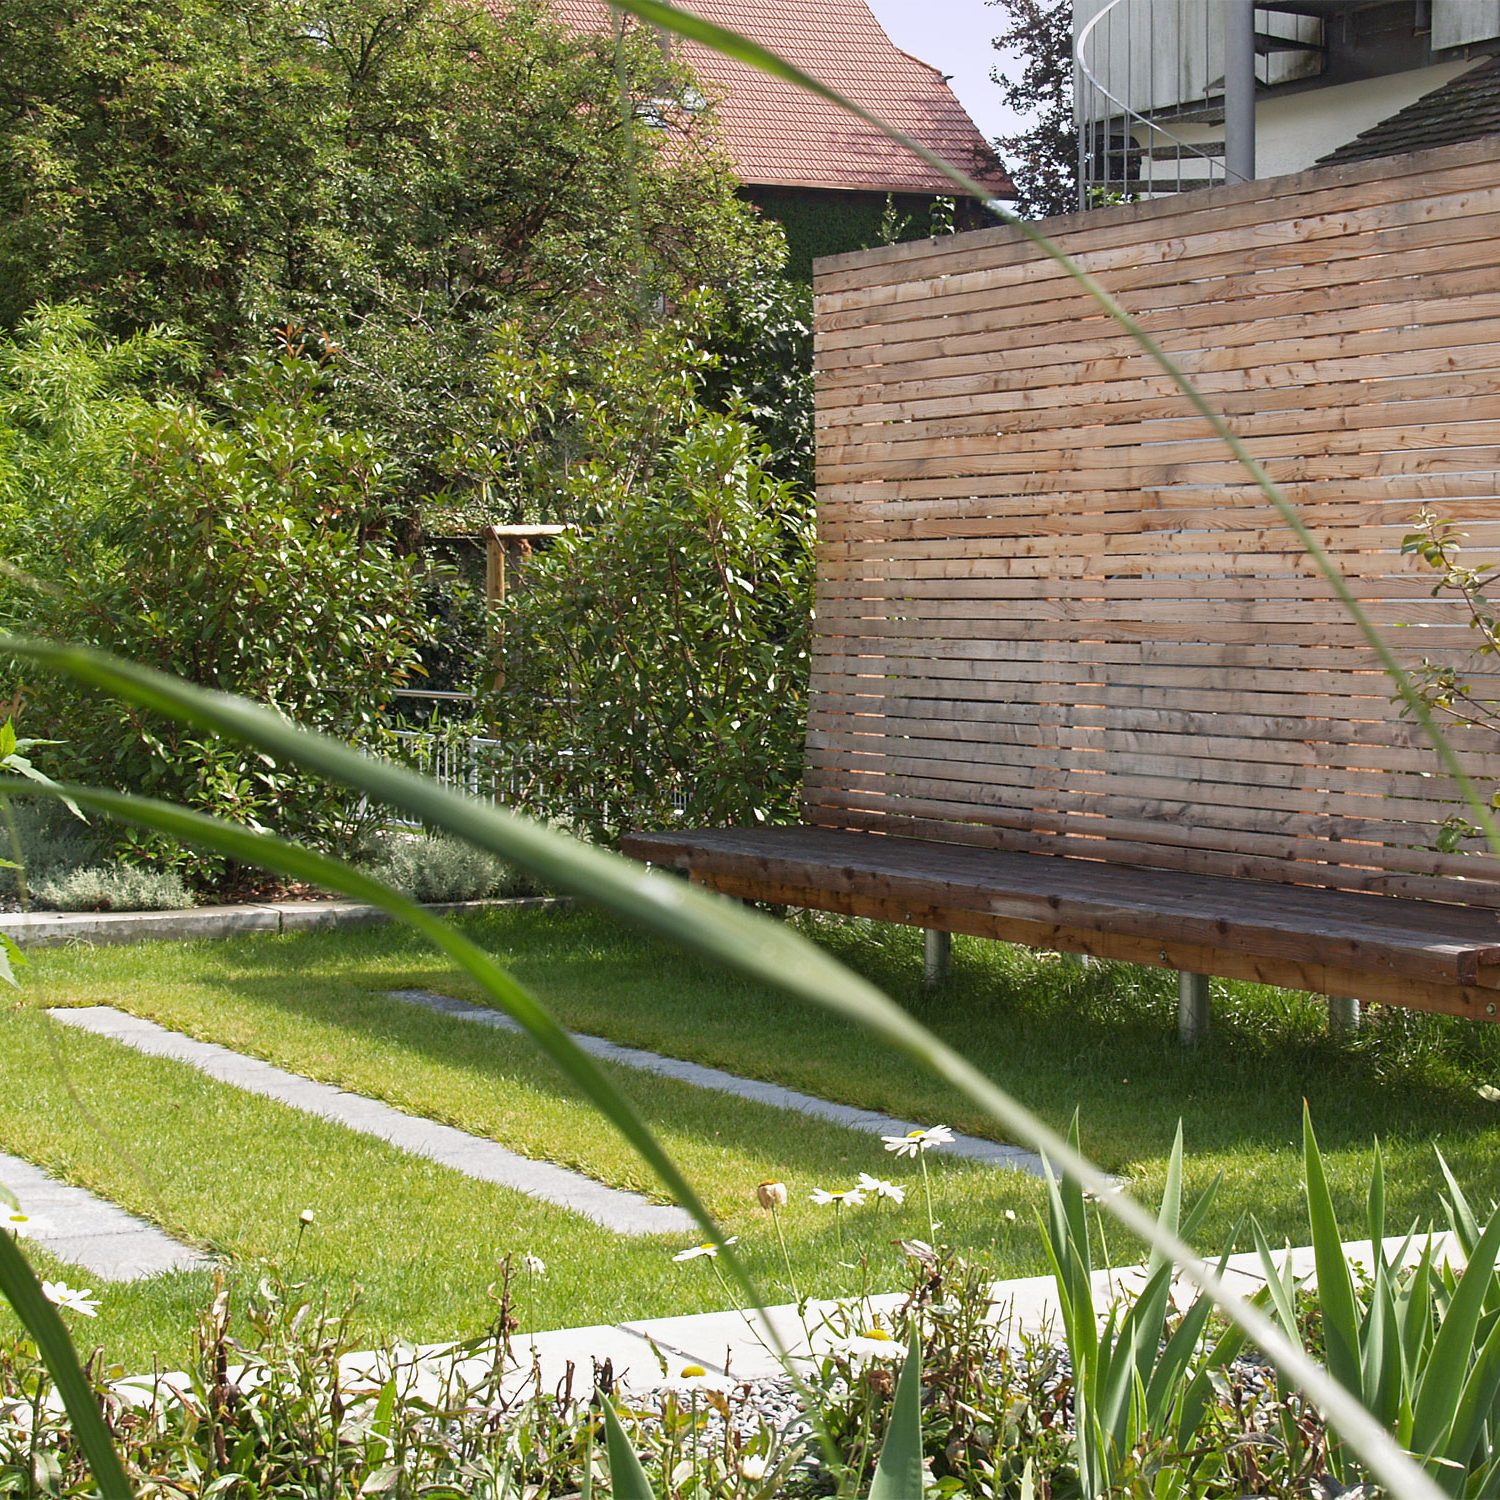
<point x="787" y="1143"/>
<point x="1099" y="1038"/>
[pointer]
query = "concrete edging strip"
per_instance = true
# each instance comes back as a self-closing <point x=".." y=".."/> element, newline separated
<point x="739" y="1345"/>
<point x="475" y="1156"/>
<point x="85" y="1230"/>
<point x="50" y="929"/>
<point x="969" y="1147"/>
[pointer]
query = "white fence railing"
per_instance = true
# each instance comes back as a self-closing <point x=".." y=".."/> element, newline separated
<point x="487" y="769"/>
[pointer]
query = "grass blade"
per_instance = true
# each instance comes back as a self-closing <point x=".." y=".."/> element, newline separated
<point x="24" y="1293"/>
<point x="1170" y="1214"/>
<point x="1476" y="1407"/>
<point x="627" y="1479"/>
<point x="1460" y="1216"/>
<point x="1441" y="1391"/>
<point x="1335" y="1285"/>
<point x="1380" y="1361"/>
<point x="1278" y="1289"/>
<point x="898" y="1473"/>
<point x="1416" y="1317"/>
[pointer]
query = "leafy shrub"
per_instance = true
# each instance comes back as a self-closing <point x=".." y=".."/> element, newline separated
<point x="113" y="888"/>
<point x="245" y="551"/>
<point x="437" y="867"/>
<point x="657" y="654"/>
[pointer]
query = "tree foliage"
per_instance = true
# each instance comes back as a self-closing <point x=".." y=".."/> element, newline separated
<point x="1043" y="159"/>
<point x="244" y="549"/>
<point x="393" y="175"/>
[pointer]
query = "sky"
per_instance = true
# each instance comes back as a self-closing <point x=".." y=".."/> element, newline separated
<point x="956" y="36"/>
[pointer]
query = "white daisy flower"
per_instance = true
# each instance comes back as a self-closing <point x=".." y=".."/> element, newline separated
<point x="878" y="1187"/>
<point x="847" y="1197"/>
<point x="914" y="1142"/>
<point x="60" y="1294"/>
<point x="872" y="1344"/>
<point x="707" y="1248"/>
<point x="18" y="1221"/>
<point x="753" y="1467"/>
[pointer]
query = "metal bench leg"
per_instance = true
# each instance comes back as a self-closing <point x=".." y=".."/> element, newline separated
<point x="1343" y="1015"/>
<point x="937" y="955"/>
<point x="1192" y="1007"/>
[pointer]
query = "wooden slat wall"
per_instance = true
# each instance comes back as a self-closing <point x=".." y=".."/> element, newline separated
<point x="1052" y="615"/>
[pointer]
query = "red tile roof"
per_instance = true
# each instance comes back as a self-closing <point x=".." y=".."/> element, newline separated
<point x="779" y="135"/>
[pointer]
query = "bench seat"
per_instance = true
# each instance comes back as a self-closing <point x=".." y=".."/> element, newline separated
<point x="1426" y="954"/>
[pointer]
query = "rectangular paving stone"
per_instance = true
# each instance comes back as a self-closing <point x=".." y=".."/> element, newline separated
<point x="486" y="1160"/>
<point x="970" y="1148"/>
<point x="85" y="1230"/>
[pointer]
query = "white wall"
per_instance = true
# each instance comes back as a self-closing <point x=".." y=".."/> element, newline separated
<point x="1293" y="130"/>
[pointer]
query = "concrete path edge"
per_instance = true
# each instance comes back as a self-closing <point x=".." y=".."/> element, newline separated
<point x="734" y="1346"/>
<point x="51" y="929"/>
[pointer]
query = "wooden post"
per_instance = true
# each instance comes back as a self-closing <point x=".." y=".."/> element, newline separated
<point x="506" y="548"/>
<point x="937" y="956"/>
<point x="1192" y="1007"/>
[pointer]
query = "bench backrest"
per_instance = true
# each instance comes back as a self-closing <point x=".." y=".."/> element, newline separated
<point x="1052" y="614"/>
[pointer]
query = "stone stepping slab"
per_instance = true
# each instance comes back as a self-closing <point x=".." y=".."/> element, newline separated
<point x="487" y="1160"/>
<point x="84" y="1230"/>
<point x="969" y="1147"/>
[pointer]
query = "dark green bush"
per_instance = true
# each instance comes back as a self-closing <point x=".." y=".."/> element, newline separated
<point x="656" y="658"/>
<point x="245" y="550"/>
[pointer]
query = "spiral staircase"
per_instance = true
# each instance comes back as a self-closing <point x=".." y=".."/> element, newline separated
<point x="1156" y="83"/>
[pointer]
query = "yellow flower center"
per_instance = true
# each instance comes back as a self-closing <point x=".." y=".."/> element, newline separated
<point x="690" y="1372"/>
<point x="876" y="1333"/>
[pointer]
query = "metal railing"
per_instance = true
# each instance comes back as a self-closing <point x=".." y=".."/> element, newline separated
<point x="1124" y="153"/>
<point x="485" y="768"/>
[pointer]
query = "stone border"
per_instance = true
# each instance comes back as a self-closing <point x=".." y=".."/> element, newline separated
<point x="51" y="929"/>
<point x="478" y="1157"/>
<point x="739" y="1345"/>
<point x="86" y="1230"/>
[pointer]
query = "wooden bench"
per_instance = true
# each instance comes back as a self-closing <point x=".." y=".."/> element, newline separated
<point x="1073" y="685"/>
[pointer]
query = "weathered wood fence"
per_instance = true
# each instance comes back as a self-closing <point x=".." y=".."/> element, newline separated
<point x="1054" y="616"/>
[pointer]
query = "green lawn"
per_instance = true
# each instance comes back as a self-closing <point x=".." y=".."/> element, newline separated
<point x="232" y="1172"/>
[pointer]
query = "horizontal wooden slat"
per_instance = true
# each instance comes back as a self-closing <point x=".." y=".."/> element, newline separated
<point x="1166" y="227"/>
